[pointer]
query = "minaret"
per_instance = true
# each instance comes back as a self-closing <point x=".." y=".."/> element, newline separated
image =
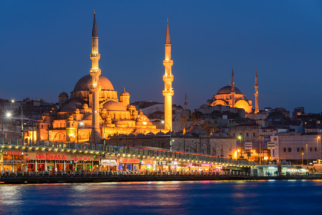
<point x="185" y="102"/>
<point x="95" y="72"/>
<point x="168" y="79"/>
<point x="232" y="88"/>
<point x="256" y="93"/>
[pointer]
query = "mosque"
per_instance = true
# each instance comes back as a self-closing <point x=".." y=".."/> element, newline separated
<point x="231" y="96"/>
<point x="94" y="112"/>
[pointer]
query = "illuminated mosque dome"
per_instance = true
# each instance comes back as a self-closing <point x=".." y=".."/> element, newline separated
<point x="227" y="90"/>
<point x="230" y="96"/>
<point x="114" y="106"/>
<point x="85" y="82"/>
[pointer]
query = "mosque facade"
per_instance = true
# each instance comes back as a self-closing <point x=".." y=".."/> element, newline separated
<point x="231" y="96"/>
<point x="93" y="110"/>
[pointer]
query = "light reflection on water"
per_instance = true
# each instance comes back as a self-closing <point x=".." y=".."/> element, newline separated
<point x="190" y="197"/>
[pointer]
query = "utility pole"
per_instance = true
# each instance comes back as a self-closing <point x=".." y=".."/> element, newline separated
<point x="260" y="152"/>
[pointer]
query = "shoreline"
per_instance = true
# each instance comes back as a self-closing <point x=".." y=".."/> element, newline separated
<point x="130" y="178"/>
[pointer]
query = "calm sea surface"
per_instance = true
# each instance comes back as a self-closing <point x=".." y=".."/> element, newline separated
<point x="195" y="197"/>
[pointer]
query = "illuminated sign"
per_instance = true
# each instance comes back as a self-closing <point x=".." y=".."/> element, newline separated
<point x="50" y="157"/>
<point x="147" y="162"/>
<point x="14" y="153"/>
<point x="129" y="160"/>
<point x="270" y="145"/>
<point x="108" y="162"/>
<point x="58" y="157"/>
<point x="248" y="145"/>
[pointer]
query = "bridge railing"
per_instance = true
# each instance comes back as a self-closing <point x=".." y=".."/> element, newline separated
<point x="102" y="149"/>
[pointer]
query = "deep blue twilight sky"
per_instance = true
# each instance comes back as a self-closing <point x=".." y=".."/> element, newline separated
<point x="45" y="47"/>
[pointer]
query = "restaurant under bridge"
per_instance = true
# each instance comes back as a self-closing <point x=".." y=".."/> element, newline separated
<point x="16" y="154"/>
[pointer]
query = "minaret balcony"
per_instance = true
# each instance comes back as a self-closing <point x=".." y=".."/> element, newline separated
<point x="95" y="72"/>
<point x="168" y="92"/>
<point x="167" y="63"/>
<point x="95" y="55"/>
<point x="168" y="78"/>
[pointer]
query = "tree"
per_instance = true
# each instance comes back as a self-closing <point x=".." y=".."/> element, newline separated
<point x="196" y="117"/>
<point x="183" y="122"/>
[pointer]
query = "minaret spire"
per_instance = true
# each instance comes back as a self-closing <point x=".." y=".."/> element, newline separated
<point x="168" y="79"/>
<point x="94" y="30"/>
<point x="95" y="88"/>
<point x="167" y="34"/>
<point x="232" y="76"/>
<point x="232" y="88"/>
<point x="256" y="93"/>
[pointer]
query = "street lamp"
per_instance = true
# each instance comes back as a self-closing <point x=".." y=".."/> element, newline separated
<point x="241" y="144"/>
<point x="302" y="156"/>
<point x="13" y="101"/>
<point x="317" y="147"/>
<point x="80" y="124"/>
<point x="170" y="133"/>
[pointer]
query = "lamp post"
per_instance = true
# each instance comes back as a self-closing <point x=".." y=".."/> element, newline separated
<point x="302" y="157"/>
<point x="241" y="144"/>
<point x="104" y="135"/>
<point x="170" y="133"/>
<point x="13" y="101"/>
<point x="317" y="147"/>
<point x="260" y="148"/>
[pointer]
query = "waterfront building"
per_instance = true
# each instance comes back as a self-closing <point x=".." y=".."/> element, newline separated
<point x="296" y="148"/>
<point x="246" y="131"/>
<point x="195" y="140"/>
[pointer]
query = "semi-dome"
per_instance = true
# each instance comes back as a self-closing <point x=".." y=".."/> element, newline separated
<point x="227" y="90"/>
<point x="71" y="107"/>
<point x="114" y="106"/>
<point x="85" y="82"/>
<point x="203" y="106"/>
<point x="124" y="93"/>
<point x="89" y="116"/>
<point x="63" y="94"/>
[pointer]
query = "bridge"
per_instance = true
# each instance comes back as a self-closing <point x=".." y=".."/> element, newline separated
<point x="102" y="150"/>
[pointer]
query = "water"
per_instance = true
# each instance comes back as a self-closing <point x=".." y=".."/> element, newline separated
<point x="195" y="197"/>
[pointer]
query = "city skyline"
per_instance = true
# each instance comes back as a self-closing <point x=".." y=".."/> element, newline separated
<point x="132" y="51"/>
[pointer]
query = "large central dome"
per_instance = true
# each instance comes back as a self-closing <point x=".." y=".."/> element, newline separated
<point x="85" y="82"/>
<point x="227" y="90"/>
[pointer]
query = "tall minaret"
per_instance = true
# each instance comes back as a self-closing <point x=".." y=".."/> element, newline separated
<point x="232" y="88"/>
<point x="168" y="79"/>
<point x="256" y="93"/>
<point x="185" y="102"/>
<point x="95" y="72"/>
